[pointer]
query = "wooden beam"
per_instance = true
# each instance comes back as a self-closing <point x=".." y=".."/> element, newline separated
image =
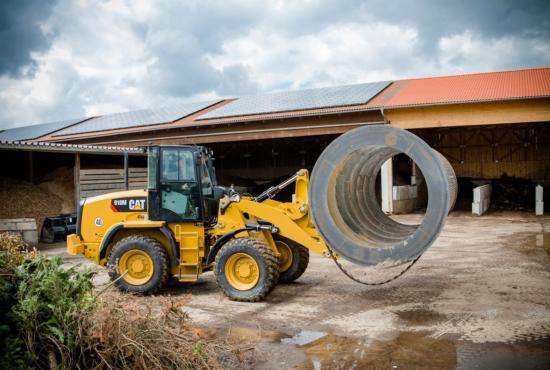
<point x="31" y="168"/>
<point x="475" y="114"/>
<point x="77" y="180"/>
<point x="125" y="170"/>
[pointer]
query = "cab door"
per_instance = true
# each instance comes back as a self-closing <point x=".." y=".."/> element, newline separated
<point x="178" y="187"/>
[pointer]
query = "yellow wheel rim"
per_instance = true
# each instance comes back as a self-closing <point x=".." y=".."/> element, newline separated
<point x="285" y="260"/>
<point x="242" y="271"/>
<point x="136" y="266"/>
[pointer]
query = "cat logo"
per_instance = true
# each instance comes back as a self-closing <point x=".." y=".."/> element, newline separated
<point x="134" y="204"/>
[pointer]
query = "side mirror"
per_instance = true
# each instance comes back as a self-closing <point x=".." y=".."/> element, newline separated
<point x="219" y="192"/>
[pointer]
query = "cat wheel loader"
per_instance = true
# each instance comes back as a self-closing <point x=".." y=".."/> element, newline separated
<point x="184" y="224"/>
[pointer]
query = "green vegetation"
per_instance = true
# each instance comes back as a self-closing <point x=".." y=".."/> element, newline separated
<point x="42" y="308"/>
<point x="50" y="318"/>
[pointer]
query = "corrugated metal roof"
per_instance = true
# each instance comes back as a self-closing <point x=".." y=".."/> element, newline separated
<point x="507" y="85"/>
<point x="298" y="100"/>
<point x="138" y="118"/>
<point x="71" y="148"/>
<point x="36" y="131"/>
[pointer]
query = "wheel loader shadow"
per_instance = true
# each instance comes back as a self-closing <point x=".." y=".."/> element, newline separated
<point x="206" y="286"/>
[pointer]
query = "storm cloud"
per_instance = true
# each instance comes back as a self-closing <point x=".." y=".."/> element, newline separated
<point x="64" y="59"/>
<point x="20" y="33"/>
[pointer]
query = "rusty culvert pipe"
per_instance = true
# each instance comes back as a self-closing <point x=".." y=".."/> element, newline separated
<point x="344" y="205"/>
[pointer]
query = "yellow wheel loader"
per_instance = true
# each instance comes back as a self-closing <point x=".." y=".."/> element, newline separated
<point x="184" y="224"/>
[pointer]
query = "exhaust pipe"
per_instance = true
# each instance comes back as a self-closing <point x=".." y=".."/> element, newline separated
<point x="343" y="201"/>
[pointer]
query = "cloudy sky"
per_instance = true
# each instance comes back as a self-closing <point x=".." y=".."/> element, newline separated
<point x="64" y="59"/>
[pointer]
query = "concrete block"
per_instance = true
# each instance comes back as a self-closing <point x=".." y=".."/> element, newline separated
<point x="404" y="199"/>
<point x="539" y="193"/>
<point x="479" y="208"/>
<point x="24" y="226"/>
<point x="539" y="208"/>
<point x="403" y="206"/>
<point x="482" y="192"/>
<point x="404" y="192"/>
<point x="482" y="199"/>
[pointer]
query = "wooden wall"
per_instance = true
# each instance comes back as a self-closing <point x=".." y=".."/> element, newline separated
<point x="473" y="114"/>
<point x="102" y="181"/>
<point x="495" y="151"/>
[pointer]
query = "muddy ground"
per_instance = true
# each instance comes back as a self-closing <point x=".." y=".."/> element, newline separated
<point x="479" y="298"/>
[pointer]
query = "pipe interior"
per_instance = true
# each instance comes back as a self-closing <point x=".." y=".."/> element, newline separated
<point x="353" y="203"/>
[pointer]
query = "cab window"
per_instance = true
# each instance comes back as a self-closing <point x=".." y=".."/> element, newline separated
<point x="177" y="165"/>
<point x="179" y="188"/>
<point x="206" y="181"/>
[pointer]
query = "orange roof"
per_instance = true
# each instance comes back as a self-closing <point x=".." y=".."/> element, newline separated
<point x="519" y="84"/>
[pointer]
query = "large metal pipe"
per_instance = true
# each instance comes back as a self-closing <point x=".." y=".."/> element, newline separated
<point x="344" y="205"/>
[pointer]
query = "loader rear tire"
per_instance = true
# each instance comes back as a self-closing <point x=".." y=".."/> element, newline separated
<point x="246" y="269"/>
<point x="295" y="261"/>
<point x="138" y="264"/>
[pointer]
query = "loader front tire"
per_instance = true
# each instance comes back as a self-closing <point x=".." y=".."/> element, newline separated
<point x="138" y="264"/>
<point x="293" y="261"/>
<point x="246" y="269"/>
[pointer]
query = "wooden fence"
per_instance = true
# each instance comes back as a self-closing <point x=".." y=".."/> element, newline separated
<point x="103" y="181"/>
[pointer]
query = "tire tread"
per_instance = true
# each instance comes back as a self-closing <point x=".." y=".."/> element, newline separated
<point x="272" y="268"/>
<point x="159" y="255"/>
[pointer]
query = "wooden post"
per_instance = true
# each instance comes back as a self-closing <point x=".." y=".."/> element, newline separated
<point x="126" y="170"/>
<point x="77" y="180"/>
<point x="31" y="168"/>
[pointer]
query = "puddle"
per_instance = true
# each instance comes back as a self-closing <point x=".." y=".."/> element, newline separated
<point x="420" y="316"/>
<point x="406" y="351"/>
<point x="501" y="356"/>
<point x="318" y="350"/>
<point x="529" y="243"/>
<point x="240" y="335"/>
<point x="304" y="337"/>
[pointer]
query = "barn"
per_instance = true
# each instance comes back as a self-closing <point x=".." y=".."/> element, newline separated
<point x="492" y="127"/>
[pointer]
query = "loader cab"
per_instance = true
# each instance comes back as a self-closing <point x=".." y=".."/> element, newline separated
<point x="182" y="184"/>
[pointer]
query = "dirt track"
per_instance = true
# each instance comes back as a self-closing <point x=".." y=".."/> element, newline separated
<point x="479" y="298"/>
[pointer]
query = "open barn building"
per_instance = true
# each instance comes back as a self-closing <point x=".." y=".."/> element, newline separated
<point x="492" y="127"/>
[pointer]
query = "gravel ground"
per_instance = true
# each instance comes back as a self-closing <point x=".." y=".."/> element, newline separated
<point x="478" y="298"/>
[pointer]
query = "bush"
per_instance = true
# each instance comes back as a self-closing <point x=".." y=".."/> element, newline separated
<point x="51" y="302"/>
<point x="50" y="317"/>
<point x="43" y="306"/>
